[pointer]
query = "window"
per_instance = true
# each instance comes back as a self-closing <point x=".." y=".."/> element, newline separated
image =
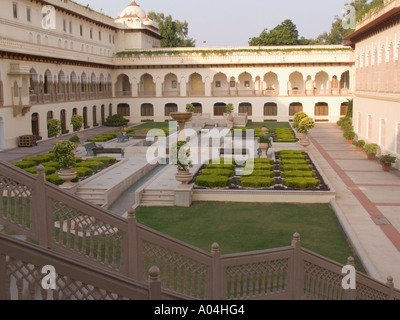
<point x="28" y="14"/>
<point x="219" y="109"/>
<point x="270" y="109"/>
<point x="170" y="107"/>
<point x="15" y="11"/>
<point x="81" y="30"/>
<point x="321" y="109"/>
<point x="100" y="35"/>
<point x="218" y="84"/>
<point x="174" y="84"/>
<point x="246" y="108"/>
<point x="343" y="109"/>
<point x="70" y="27"/>
<point x="91" y="33"/>
<point x="295" y="108"/>
<point x="147" y="110"/>
<point x="123" y="110"/>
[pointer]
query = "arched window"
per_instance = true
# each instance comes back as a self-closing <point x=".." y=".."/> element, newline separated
<point x="219" y="109"/>
<point x="321" y="109"/>
<point x="246" y="107"/>
<point x="123" y="109"/>
<point x="294" y="108"/>
<point x="170" y="107"/>
<point x="270" y="109"/>
<point x="147" y="110"/>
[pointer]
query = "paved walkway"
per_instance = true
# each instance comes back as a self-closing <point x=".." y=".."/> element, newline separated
<point x="367" y="200"/>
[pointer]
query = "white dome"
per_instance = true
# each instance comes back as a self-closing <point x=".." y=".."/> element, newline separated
<point x="131" y="12"/>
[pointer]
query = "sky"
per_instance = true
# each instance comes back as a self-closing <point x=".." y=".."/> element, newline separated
<point x="225" y="23"/>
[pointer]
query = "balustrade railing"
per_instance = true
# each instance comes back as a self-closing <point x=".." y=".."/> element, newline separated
<point x="95" y="251"/>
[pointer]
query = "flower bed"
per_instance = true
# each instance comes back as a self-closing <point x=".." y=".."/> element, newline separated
<point x="292" y="170"/>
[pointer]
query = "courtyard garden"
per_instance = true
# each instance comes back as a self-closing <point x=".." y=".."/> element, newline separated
<point x="280" y="132"/>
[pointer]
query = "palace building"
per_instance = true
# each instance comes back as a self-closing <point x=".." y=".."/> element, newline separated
<point x="58" y="58"/>
<point x="376" y="113"/>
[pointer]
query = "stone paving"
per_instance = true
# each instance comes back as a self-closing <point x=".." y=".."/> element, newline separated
<point x="367" y="200"/>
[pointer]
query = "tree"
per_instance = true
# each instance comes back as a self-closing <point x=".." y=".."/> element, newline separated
<point x="175" y="32"/>
<point x="285" y="34"/>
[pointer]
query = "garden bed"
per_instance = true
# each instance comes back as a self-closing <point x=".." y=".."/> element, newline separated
<point x="296" y="173"/>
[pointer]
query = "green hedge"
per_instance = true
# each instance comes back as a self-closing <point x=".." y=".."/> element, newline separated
<point x="261" y="161"/>
<point x="54" y="179"/>
<point x="47" y="170"/>
<point x="212" y="181"/>
<point x="220" y="166"/>
<point x="39" y="158"/>
<point x="295" y="167"/>
<point x="290" y="152"/>
<point x="217" y="172"/>
<point x="301" y="183"/>
<point x="292" y="156"/>
<point x="53" y="164"/>
<point x="294" y="161"/>
<point x="94" y="165"/>
<point x="291" y="174"/>
<point x="262" y="166"/>
<point x="83" y="171"/>
<point x="222" y="161"/>
<point x="258" y="173"/>
<point x="106" y="160"/>
<point x="256" y="182"/>
<point x="24" y="164"/>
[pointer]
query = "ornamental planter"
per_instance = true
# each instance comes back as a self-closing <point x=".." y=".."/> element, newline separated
<point x="386" y="167"/>
<point x="349" y="141"/>
<point x="303" y="141"/>
<point x="264" y="148"/>
<point x="67" y="175"/>
<point x="371" y="156"/>
<point x="359" y="148"/>
<point x="183" y="176"/>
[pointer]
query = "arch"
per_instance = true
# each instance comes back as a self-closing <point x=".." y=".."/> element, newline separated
<point x="321" y="109"/>
<point x="35" y="124"/>
<point x="84" y="80"/>
<point x="123" y="109"/>
<point x="93" y="81"/>
<point x="101" y="83"/>
<point x="147" y="85"/>
<point x="171" y="85"/>
<point x="170" y="107"/>
<point x="33" y="84"/>
<point x="220" y="84"/>
<point x="2" y="134"/>
<point x="270" y="109"/>
<point x="75" y="111"/>
<point x="74" y="82"/>
<point x="245" y="84"/>
<point x="271" y="84"/>
<point x="246" y="107"/>
<point x="102" y="114"/>
<point x="295" y="107"/>
<point x="219" y="108"/>
<point x="322" y="83"/>
<point x="50" y="115"/>
<point x="147" y="110"/>
<point x="343" y="108"/>
<point x="61" y="82"/>
<point x="345" y="82"/>
<point x="123" y="86"/>
<point x="48" y="80"/>
<point x="296" y="83"/>
<point x="94" y="115"/>
<point x="196" y="85"/>
<point x="85" y="117"/>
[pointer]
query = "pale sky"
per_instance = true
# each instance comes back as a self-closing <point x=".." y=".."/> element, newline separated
<point x="232" y="22"/>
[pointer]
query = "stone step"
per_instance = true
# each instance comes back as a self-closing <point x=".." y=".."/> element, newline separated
<point x="158" y="203"/>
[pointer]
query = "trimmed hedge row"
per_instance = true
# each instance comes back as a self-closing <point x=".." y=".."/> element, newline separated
<point x="302" y="183"/>
<point x="294" y="161"/>
<point x="212" y="181"/>
<point x="94" y="165"/>
<point x="284" y="135"/>
<point x="222" y="161"/>
<point x="47" y="170"/>
<point x="304" y="174"/>
<point x="258" y="173"/>
<point x="24" y="164"/>
<point x="256" y="182"/>
<point x="217" y="172"/>
<point x="83" y="171"/>
<point x="220" y="166"/>
<point x="295" y="167"/>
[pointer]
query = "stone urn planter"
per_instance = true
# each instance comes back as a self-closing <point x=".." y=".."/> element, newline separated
<point x="181" y="118"/>
<point x="184" y="177"/>
<point x="67" y="175"/>
<point x="371" y="156"/>
<point x="386" y="167"/>
<point x="303" y="141"/>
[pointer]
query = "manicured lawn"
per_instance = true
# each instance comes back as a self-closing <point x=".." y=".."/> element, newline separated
<point x="240" y="227"/>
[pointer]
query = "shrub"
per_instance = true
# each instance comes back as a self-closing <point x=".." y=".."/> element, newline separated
<point x="359" y="143"/>
<point x="52" y="164"/>
<point x="77" y="122"/>
<point x="371" y="148"/>
<point x="305" y="125"/>
<point x="53" y="127"/>
<point x="301" y="183"/>
<point x="258" y="173"/>
<point x="24" y="164"/>
<point x="256" y="182"/>
<point x="217" y="172"/>
<point x="94" y="165"/>
<point x="290" y="152"/>
<point x="39" y="158"/>
<point x="295" y="167"/>
<point x="106" y="160"/>
<point x="263" y="166"/>
<point x="189" y="107"/>
<point x="83" y="171"/>
<point x="294" y="161"/>
<point x="54" y="179"/>
<point x="220" y="166"/>
<point x="261" y="161"/>
<point x="292" y="174"/>
<point x="47" y="170"/>
<point x="298" y="117"/>
<point x="64" y="153"/>
<point x="116" y="121"/>
<point x="222" y="161"/>
<point x="293" y="156"/>
<point x="349" y="134"/>
<point x="387" y="159"/>
<point x="212" y="181"/>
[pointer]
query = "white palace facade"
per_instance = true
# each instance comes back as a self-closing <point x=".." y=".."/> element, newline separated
<point x="81" y="61"/>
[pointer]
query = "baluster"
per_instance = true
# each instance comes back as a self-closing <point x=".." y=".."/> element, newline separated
<point x="31" y="290"/>
<point x="91" y="239"/>
<point x="20" y="285"/>
<point x="107" y="249"/>
<point x="232" y="290"/>
<point x="23" y="222"/>
<point x="99" y="244"/>
<point x="61" y="230"/>
<point x="178" y="285"/>
<point x="68" y="225"/>
<point x="114" y="253"/>
<point x="263" y="282"/>
<point x="76" y="236"/>
<point x="84" y="230"/>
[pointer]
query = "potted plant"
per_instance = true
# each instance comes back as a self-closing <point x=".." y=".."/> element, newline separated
<point x="189" y="107"/>
<point x="180" y="156"/>
<point x="359" y="144"/>
<point x="229" y="110"/>
<point x="265" y="143"/>
<point x="386" y="161"/>
<point x="371" y="149"/>
<point x="304" y="126"/>
<point x="349" y="136"/>
<point x="77" y="123"/>
<point x="298" y="117"/>
<point x="54" y="129"/>
<point x="64" y="154"/>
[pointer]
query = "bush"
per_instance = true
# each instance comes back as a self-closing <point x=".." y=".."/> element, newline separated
<point x="116" y="121"/>
<point x="294" y="161"/>
<point x="371" y="148"/>
<point x="212" y="181"/>
<point x="256" y="182"/>
<point x="47" y="170"/>
<point x="220" y="166"/>
<point x="40" y="158"/>
<point x="64" y="153"/>
<point x="52" y="164"/>
<point x="24" y="164"/>
<point x="54" y="179"/>
<point x="261" y="161"/>
<point x="222" y="161"/>
<point x="83" y="171"/>
<point x="298" y="117"/>
<point x="53" y="127"/>
<point x="301" y="183"/>
<point x="349" y="134"/>
<point x="295" y="167"/>
<point x="77" y="122"/>
<point x="106" y="160"/>
<point x="258" y="173"/>
<point x="289" y="152"/>
<point x="217" y="172"/>
<point x="262" y="166"/>
<point x="287" y="156"/>
<point x="359" y="143"/>
<point x="94" y="165"/>
<point x="292" y="174"/>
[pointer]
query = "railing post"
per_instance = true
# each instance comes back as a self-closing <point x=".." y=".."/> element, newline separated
<point x="297" y="269"/>
<point x="390" y="285"/>
<point x="216" y="278"/>
<point x="350" y="294"/>
<point x="133" y="252"/>
<point x="3" y="278"/>
<point x="41" y="208"/>
<point x="154" y="283"/>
